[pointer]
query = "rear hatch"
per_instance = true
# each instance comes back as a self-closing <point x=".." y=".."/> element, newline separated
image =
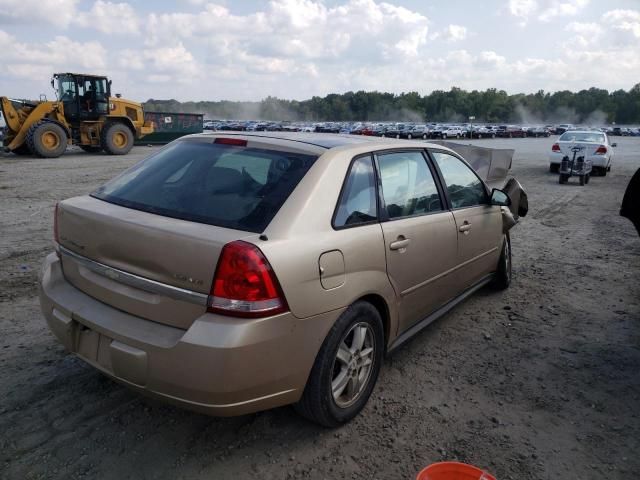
<point x="148" y="242"/>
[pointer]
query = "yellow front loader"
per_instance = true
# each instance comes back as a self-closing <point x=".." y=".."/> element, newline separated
<point x="84" y="114"/>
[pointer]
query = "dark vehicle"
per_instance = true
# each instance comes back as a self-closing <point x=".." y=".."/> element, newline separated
<point x="394" y="131"/>
<point x="436" y="131"/>
<point x="233" y="126"/>
<point x="510" y="131"/>
<point x="328" y="128"/>
<point x="380" y="131"/>
<point x="563" y="127"/>
<point x="538" y="132"/>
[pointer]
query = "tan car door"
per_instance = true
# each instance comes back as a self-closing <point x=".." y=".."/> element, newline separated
<point x="419" y="233"/>
<point x="479" y="224"/>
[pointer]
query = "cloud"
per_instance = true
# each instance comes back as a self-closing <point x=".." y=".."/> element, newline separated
<point x="562" y="9"/>
<point x="59" y="13"/>
<point x="583" y="35"/>
<point x="23" y="60"/>
<point x="544" y="10"/>
<point x="302" y="28"/>
<point x="299" y="48"/>
<point x="522" y="8"/>
<point x="111" y="18"/>
<point x="454" y="33"/>
<point x="627" y="21"/>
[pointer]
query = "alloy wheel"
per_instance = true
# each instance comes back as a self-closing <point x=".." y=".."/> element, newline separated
<point x="353" y="364"/>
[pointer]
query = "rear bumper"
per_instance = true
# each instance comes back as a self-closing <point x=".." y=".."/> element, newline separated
<point x="220" y="365"/>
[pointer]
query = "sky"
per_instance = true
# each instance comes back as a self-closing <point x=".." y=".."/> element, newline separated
<point x="295" y="49"/>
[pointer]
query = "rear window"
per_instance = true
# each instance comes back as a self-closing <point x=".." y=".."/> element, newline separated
<point x="223" y="185"/>
<point x="593" y="137"/>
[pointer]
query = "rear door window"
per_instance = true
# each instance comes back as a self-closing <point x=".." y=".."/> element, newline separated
<point x="224" y="185"/>
<point x="408" y="188"/>
<point x="358" y="204"/>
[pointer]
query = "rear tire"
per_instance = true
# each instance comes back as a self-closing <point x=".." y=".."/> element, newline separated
<point x="47" y="139"/>
<point x="502" y="278"/>
<point x="587" y="177"/>
<point x="116" y="139"/>
<point x="554" y="167"/>
<point x="319" y="403"/>
<point x="562" y="179"/>
<point x="582" y="180"/>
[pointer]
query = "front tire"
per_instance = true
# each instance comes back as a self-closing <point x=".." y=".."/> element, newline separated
<point x="502" y="278"/>
<point x="116" y="139"/>
<point x="346" y="367"/>
<point x="47" y="139"/>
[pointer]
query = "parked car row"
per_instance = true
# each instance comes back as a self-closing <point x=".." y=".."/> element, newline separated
<point x="411" y="130"/>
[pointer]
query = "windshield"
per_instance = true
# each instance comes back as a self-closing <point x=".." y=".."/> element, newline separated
<point x="66" y="88"/>
<point x="591" y="137"/>
<point x="223" y="185"/>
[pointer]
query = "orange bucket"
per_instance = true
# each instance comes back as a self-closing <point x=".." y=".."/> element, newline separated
<point x="453" y="471"/>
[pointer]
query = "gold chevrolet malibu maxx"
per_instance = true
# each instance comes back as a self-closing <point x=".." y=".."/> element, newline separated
<point x="231" y="273"/>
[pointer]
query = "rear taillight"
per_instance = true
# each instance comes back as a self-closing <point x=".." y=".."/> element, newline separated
<point x="55" y="224"/>
<point x="244" y="284"/>
<point x="238" y="142"/>
<point x="602" y="150"/>
<point x="555" y="148"/>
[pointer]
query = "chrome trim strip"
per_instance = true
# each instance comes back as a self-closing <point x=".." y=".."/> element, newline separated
<point x="447" y="272"/>
<point x="136" y="281"/>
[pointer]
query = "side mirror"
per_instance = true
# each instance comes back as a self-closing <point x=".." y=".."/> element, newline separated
<point x="614" y="145"/>
<point x="498" y="197"/>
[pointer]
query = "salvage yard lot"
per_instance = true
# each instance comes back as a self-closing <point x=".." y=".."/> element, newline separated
<point x="541" y="381"/>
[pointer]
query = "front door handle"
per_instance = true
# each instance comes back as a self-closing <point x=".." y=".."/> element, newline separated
<point x="465" y="227"/>
<point x="401" y="242"/>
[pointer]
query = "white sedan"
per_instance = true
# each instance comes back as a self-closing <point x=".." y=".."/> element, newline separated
<point x="595" y="147"/>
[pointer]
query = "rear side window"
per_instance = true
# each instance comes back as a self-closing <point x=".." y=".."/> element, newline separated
<point x="223" y="185"/>
<point x="463" y="185"/>
<point x="357" y="204"/>
<point x="408" y="187"/>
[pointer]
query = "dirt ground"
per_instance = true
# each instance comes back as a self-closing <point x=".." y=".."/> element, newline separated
<point x="539" y="382"/>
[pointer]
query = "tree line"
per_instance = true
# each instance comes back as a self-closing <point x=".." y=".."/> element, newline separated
<point x="592" y="106"/>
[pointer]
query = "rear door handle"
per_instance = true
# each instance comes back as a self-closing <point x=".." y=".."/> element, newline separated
<point x="400" y="243"/>
<point x="465" y="227"/>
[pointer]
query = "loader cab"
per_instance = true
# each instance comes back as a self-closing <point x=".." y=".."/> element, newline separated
<point x="85" y="97"/>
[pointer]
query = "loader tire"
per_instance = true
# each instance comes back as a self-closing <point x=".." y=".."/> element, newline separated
<point x="47" y="139"/>
<point x="116" y="139"/>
